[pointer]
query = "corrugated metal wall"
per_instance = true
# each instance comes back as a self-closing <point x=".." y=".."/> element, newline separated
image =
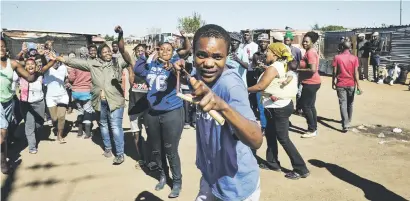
<point x="396" y="45"/>
<point x="63" y="45"/>
<point x="332" y="41"/>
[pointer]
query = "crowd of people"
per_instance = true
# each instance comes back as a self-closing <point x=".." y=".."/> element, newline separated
<point x="241" y="80"/>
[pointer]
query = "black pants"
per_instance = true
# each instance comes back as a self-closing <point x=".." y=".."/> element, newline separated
<point x="189" y="109"/>
<point x="164" y="131"/>
<point x="308" y="101"/>
<point x="252" y="79"/>
<point x="277" y="129"/>
<point x="18" y="117"/>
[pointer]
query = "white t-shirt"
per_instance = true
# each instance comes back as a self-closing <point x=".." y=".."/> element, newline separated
<point x="54" y="80"/>
<point x="267" y="101"/>
<point x="250" y="49"/>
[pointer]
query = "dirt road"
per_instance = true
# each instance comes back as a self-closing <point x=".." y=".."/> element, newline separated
<point x="349" y="166"/>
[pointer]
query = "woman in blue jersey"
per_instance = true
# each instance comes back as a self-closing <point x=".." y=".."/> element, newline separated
<point x="164" y="120"/>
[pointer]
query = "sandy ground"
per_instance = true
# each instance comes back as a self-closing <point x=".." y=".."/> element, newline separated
<point x="349" y="166"/>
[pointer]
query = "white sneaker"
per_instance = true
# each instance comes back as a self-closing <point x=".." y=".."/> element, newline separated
<point x="309" y="134"/>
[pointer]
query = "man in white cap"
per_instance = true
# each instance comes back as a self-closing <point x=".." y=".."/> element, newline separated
<point x="375" y="47"/>
<point x="363" y="52"/>
<point x="277" y="37"/>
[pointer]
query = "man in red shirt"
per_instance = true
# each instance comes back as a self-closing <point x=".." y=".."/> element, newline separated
<point x="345" y="80"/>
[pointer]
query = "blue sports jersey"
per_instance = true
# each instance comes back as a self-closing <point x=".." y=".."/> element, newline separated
<point x="162" y="84"/>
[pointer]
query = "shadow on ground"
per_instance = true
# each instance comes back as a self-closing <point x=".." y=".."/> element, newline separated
<point x="296" y="129"/>
<point x="147" y="196"/>
<point x="373" y="191"/>
<point x="18" y="140"/>
<point x="325" y="122"/>
<point x="130" y="150"/>
<point x="7" y="186"/>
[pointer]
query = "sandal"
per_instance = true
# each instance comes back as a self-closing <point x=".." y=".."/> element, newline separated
<point x="295" y="176"/>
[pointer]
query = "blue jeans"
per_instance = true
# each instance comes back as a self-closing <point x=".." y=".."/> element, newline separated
<point x="115" y="119"/>
<point x="261" y="110"/>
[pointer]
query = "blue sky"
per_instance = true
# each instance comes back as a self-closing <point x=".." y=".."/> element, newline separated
<point x="136" y="16"/>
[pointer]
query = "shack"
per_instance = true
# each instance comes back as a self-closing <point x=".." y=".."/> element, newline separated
<point x="64" y="42"/>
<point x="395" y="39"/>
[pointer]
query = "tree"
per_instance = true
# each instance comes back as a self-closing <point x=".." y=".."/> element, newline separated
<point x="328" y="28"/>
<point x="108" y="38"/>
<point x="316" y="27"/>
<point x="190" y="24"/>
<point x="332" y="28"/>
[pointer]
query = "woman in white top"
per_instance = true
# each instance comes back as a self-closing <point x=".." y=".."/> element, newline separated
<point x="56" y="97"/>
<point x="277" y="101"/>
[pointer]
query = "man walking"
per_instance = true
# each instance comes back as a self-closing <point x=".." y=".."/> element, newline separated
<point x="345" y="80"/>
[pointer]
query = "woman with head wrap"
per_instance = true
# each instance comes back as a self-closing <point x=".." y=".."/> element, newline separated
<point x="279" y="38"/>
<point x="278" y="111"/>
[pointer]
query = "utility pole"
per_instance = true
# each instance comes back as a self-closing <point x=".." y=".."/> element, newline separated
<point x="401" y="9"/>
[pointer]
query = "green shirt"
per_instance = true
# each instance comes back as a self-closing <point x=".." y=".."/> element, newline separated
<point x="104" y="76"/>
<point x="6" y="80"/>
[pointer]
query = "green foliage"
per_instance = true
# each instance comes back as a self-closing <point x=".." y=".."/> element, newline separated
<point x="190" y="24"/>
<point x="109" y="38"/>
<point x="328" y="28"/>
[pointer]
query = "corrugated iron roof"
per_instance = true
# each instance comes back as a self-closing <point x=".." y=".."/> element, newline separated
<point x="395" y="26"/>
<point x="5" y="30"/>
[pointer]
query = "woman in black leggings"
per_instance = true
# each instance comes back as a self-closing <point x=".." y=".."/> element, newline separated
<point x="164" y="120"/>
<point x="310" y="78"/>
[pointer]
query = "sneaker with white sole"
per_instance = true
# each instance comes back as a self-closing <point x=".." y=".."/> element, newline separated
<point x="309" y="134"/>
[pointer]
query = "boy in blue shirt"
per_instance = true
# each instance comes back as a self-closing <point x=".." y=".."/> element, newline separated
<point x="224" y="156"/>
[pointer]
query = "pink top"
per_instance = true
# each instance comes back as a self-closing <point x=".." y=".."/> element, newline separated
<point x="311" y="57"/>
<point x="346" y="65"/>
<point x="81" y="80"/>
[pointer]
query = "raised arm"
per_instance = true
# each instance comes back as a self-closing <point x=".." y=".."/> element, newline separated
<point x="186" y="49"/>
<point x="121" y="46"/>
<point x="47" y="66"/>
<point x="267" y="77"/>
<point x="243" y="62"/>
<point x="24" y="50"/>
<point x="81" y="64"/>
<point x="22" y="72"/>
